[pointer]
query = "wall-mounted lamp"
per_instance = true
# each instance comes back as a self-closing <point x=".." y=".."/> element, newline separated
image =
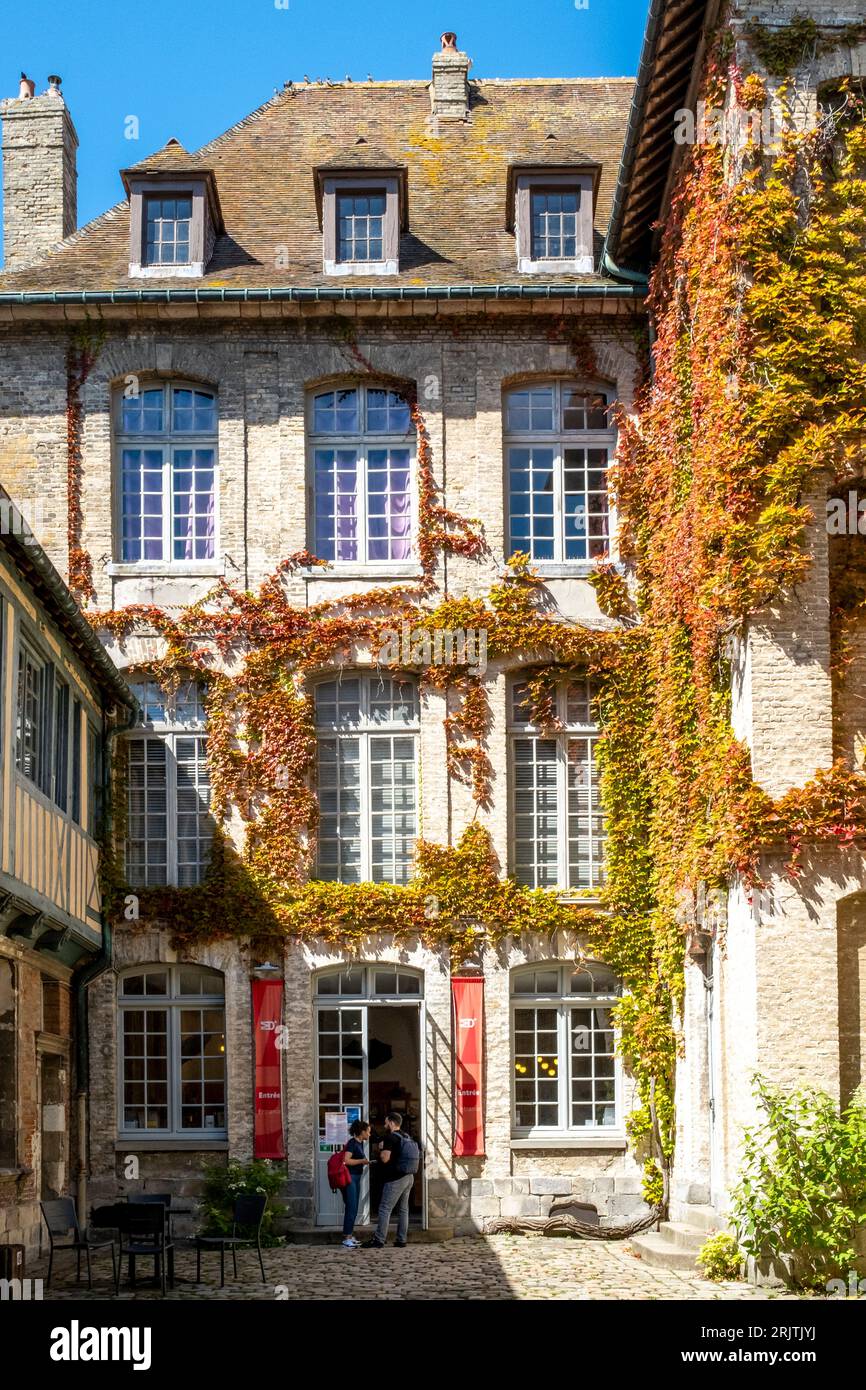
<point x="266" y="971"/>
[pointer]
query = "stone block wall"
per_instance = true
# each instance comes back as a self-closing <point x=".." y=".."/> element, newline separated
<point x="462" y="1194"/>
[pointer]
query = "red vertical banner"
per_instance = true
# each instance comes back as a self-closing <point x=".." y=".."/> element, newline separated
<point x="267" y="1020"/>
<point x="467" y="1005"/>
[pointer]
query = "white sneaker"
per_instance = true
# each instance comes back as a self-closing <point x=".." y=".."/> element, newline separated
<point x="351" y="1243"/>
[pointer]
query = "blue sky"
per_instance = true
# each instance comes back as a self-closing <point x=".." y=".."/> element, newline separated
<point x="192" y="70"/>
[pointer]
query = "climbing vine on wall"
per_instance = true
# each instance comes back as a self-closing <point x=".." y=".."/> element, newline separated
<point x="81" y="354"/>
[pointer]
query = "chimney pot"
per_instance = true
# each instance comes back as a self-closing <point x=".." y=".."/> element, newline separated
<point x="449" y="41"/>
<point x="26" y="88"/>
<point x="54" y="84"/>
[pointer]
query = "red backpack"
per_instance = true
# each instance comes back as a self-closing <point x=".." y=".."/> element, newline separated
<point x="338" y="1174"/>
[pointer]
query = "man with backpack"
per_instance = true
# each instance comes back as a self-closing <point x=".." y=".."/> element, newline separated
<point x="402" y="1155"/>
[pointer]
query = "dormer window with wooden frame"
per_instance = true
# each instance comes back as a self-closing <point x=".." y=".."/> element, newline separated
<point x="174" y="215"/>
<point x="362" y="210"/>
<point x="550" y="211"/>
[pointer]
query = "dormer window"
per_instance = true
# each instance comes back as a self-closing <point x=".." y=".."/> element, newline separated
<point x="174" y="215"/>
<point x="168" y="224"/>
<point x="551" y="215"/>
<point x="361" y="199"/>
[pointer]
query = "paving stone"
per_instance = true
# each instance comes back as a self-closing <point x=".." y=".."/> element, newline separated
<point x="481" y="1268"/>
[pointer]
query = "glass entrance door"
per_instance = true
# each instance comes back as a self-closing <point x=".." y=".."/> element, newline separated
<point x="341" y="1082"/>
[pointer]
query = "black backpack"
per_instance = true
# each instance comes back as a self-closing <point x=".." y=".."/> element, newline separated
<point x="408" y="1156"/>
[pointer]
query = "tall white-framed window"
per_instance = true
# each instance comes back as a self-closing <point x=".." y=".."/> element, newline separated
<point x="172" y="1052"/>
<point x="557" y="819"/>
<point x="367" y="737"/>
<point x="558" y="445"/>
<point x="362" y="450"/>
<point x="169" y="826"/>
<point x="565" y="1073"/>
<point x="166" y="440"/>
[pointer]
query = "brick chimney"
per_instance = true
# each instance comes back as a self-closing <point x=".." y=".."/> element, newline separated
<point x="450" y="87"/>
<point x="39" y="173"/>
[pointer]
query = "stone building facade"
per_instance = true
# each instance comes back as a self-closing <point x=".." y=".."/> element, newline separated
<point x="436" y="232"/>
<point x="465" y="329"/>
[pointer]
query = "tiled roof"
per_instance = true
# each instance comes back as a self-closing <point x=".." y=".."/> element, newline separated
<point x="457" y="174"/>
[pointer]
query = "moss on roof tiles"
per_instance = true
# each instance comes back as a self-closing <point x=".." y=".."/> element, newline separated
<point x="457" y="173"/>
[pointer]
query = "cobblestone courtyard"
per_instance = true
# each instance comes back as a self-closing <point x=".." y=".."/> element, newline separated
<point x="492" y="1267"/>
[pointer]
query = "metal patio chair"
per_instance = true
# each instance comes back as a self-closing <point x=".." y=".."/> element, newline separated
<point x="248" y="1213"/>
<point x="142" y="1227"/>
<point x="61" y="1220"/>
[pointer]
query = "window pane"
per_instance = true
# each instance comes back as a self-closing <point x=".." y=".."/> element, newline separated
<point x="593" y="1087"/>
<point x="29" y="715"/>
<point x="194" y="831"/>
<point x="389" y="505"/>
<point x="167" y="230"/>
<point x="553" y="223"/>
<point x="202" y="1042"/>
<point x="366" y="783"/>
<point x="536" y="1065"/>
<point x="536" y="812"/>
<point x="336" y="504"/>
<point x="531" y="488"/>
<point x="193" y="503"/>
<point x="147" y="821"/>
<point x="143" y="413"/>
<point x="142" y="472"/>
<point x="145" y="1048"/>
<point x="360" y="218"/>
<point x="586" y="822"/>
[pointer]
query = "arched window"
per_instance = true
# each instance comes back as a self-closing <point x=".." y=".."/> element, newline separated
<point x="166" y="436"/>
<point x="169" y="825"/>
<point x="558" y="824"/>
<point x="362" y="451"/>
<point x="173" y="1052"/>
<point x="558" y="442"/>
<point x="565" y="1073"/>
<point x="367" y="734"/>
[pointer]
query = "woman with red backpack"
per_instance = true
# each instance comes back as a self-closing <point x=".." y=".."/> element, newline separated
<point x="355" y="1161"/>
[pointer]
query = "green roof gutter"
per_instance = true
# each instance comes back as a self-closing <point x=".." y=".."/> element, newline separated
<point x="629" y="149"/>
<point x="318" y="294"/>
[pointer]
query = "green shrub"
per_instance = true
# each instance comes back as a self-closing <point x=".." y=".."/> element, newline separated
<point x="720" y="1257"/>
<point x="223" y="1183"/>
<point x="802" y="1189"/>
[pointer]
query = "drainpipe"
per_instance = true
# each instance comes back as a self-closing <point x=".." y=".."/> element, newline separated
<point x="91" y="972"/>
<point x="633" y="277"/>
